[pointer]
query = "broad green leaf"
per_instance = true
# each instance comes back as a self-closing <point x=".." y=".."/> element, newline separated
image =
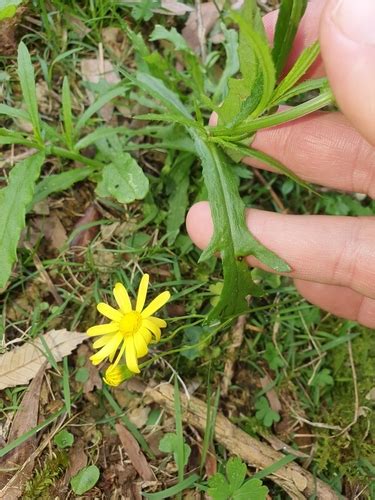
<point x="232" y="239"/>
<point x="303" y="63"/>
<point x="67" y="113"/>
<point x="265" y="413"/>
<point x="124" y="180"/>
<point x="158" y="90"/>
<point x="236" y="473"/>
<point x="253" y="489"/>
<point x="178" y="185"/>
<point x="85" y="479"/>
<point x="249" y="95"/>
<point x="63" y="439"/>
<point x="218" y="487"/>
<point x="144" y="10"/>
<point x="173" y="36"/>
<point x="8" y="8"/>
<point x="169" y="443"/>
<point x="59" y="182"/>
<point x="13" y="202"/>
<point x="290" y="15"/>
<point x="27" y="80"/>
<point x="99" y="103"/>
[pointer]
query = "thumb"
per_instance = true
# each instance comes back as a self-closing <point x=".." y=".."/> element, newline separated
<point x="347" y="37"/>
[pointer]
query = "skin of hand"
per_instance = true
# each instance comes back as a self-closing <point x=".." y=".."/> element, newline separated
<point x="332" y="258"/>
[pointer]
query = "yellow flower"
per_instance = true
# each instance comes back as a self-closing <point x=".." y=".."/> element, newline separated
<point x="115" y="375"/>
<point x="130" y="330"/>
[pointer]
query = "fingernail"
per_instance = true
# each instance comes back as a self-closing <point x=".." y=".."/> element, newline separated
<point x="356" y="20"/>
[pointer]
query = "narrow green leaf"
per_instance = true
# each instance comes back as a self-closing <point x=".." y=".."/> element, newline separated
<point x="19" y="114"/>
<point x="158" y="90"/>
<point x="232" y="64"/>
<point x="275" y="467"/>
<point x="290" y="15"/>
<point x="66" y="385"/>
<point x="302" y="88"/>
<point x="27" y="80"/>
<point x="124" y="180"/>
<point x="180" y="449"/>
<point x="98" y="104"/>
<point x="13" y="202"/>
<point x="173" y="490"/>
<point x="59" y="182"/>
<point x="247" y="128"/>
<point x="67" y="113"/>
<point x="100" y="133"/>
<point x="301" y="66"/>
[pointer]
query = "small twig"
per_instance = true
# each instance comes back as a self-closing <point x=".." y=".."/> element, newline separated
<point x="235" y="338"/>
<point x="274" y="196"/>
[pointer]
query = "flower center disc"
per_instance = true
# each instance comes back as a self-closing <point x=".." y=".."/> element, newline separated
<point x="130" y="323"/>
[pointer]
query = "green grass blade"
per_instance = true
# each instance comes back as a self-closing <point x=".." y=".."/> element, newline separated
<point x="67" y="113"/>
<point x="128" y="424"/>
<point x="173" y="490"/>
<point x="66" y="386"/>
<point x="274" y="467"/>
<point x="179" y="432"/>
<point x="27" y="80"/>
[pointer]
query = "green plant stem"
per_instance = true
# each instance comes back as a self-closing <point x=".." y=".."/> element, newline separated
<point x="71" y="155"/>
<point x="243" y="131"/>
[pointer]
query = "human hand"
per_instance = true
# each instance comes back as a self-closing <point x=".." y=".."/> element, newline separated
<point x="332" y="258"/>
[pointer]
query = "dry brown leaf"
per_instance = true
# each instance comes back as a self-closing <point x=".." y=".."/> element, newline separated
<point x="20" y="365"/>
<point x="84" y="237"/>
<point x="94" y="70"/>
<point x="135" y="454"/>
<point x="175" y="8"/>
<point x="139" y="416"/>
<point x="115" y="41"/>
<point x="25" y="419"/>
<point x="52" y="229"/>
<point x="77" y="460"/>
<point x="209" y="16"/>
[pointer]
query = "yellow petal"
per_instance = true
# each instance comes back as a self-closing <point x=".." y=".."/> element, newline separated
<point x="140" y="345"/>
<point x="142" y="292"/>
<point x="93" y="331"/>
<point x="156" y="304"/>
<point x="158" y="322"/>
<point x="122" y="298"/>
<point x="120" y="354"/>
<point x="103" y="341"/>
<point x="153" y="328"/>
<point x="109" y="348"/>
<point x="131" y="356"/>
<point x="109" y="312"/>
<point x="146" y="334"/>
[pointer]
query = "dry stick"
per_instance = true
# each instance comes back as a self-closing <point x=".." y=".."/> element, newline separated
<point x="236" y="338"/>
<point x="295" y="480"/>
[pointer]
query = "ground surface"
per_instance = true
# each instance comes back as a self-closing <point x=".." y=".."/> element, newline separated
<point x="297" y="377"/>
